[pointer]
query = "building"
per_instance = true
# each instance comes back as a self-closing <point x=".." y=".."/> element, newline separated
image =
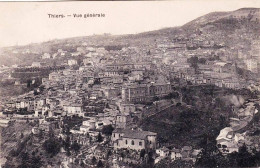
<point x="73" y="109"/>
<point x="225" y="141"/>
<point x="251" y="65"/>
<point x="127" y="108"/>
<point x="122" y="120"/>
<point x="111" y="92"/>
<point x="163" y="152"/>
<point x="37" y="64"/>
<point x="176" y="154"/>
<point x="144" y="92"/>
<point x="134" y="139"/>
<point x="88" y="125"/>
<point x="72" y="62"/>
<point x="46" y="56"/>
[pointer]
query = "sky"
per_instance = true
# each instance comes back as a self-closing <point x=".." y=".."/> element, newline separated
<point x="28" y="22"/>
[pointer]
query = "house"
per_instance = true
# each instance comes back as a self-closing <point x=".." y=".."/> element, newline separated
<point x="46" y="126"/>
<point x="186" y="153"/>
<point x="46" y="56"/>
<point x="37" y="64"/>
<point x="111" y="92"/>
<point x="225" y="134"/>
<point x="38" y="103"/>
<point x="137" y="75"/>
<point x="75" y="54"/>
<point x="127" y="108"/>
<point x="122" y="120"/>
<point x="251" y="65"/>
<point x="72" y="62"/>
<point x="134" y="139"/>
<point x="87" y="125"/>
<point x="112" y="73"/>
<point x="4" y="122"/>
<point x="73" y="109"/>
<point x="226" y="142"/>
<point x="163" y="152"/>
<point x="175" y="154"/>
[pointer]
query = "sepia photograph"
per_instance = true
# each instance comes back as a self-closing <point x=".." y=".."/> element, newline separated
<point x="130" y="84"/>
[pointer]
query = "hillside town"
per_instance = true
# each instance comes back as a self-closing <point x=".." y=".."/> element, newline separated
<point x="88" y="103"/>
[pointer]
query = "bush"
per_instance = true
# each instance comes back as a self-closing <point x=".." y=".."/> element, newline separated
<point x="99" y="137"/>
<point x="52" y="146"/>
<point x="100" y="164"/>
<point x="107" y="130"/>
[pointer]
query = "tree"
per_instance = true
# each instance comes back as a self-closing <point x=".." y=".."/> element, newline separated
<point x="194" y="62"/>
<point x="100" y="164"/>
<point x="52" y="146"/>
<point x="202" y="60"/>
<point x="99" y="137"/>
<point x="242" y="158"/>
<point x="75" y="147"/>
<point x="109" y="153"/>
<point x="93" y="160"/>
<point x="210" y="157"/>
<point x="142" y="153"/>
<point x="66" y="143"/>
<point x="107" y="130"/>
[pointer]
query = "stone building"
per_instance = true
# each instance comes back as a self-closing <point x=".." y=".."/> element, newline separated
<point x="144" y="92"/>
<point x="134" y="139"/>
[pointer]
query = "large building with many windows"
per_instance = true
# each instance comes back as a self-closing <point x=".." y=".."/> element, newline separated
<point x="144" y="92"/>
<point x="134" y="139"/>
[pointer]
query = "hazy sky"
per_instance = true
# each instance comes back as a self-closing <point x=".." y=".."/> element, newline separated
<point x="26" y="22"/>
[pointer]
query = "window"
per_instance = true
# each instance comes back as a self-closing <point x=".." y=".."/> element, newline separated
<point x="140" y="143"/>
<point x="133" y="143"/>
<point x="125" y="141"/>
<point x="114" y="135"/>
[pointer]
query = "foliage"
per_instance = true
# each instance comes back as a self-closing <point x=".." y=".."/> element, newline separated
<point x="99" y="137"/>
<point x="52" y="146"/>
<point x="100" y="164"/>
<point x="211" y="157"/>
<point x="75" y="147"/>
<point x="109" y="153"/>
<point x="93" y="160"/>
<point x="107" y="130"/>
<point x="142" y="153"/>
<point x="194" y="62"/>
<point x="172" y="95"/>
<point x="166" y="163"/>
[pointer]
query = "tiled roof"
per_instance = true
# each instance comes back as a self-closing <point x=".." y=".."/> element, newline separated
<point x="135" y="134"/>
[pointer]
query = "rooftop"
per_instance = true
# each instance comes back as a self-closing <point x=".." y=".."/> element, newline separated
<point x="135" y="134"/>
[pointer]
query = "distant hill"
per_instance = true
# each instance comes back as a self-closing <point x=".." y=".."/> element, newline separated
<point x="252" y="13"/>
<point x="225" y="27"/>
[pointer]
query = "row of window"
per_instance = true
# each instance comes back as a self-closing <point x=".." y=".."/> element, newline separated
<point x="133" y="143"/>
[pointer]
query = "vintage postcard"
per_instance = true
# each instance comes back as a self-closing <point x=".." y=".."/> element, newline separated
<point x="133" y="84"/>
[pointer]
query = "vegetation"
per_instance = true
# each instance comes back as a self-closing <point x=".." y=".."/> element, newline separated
<point x="167" y="163"/>
<point x="52" y="146"/>
<point x="99" y="137"/>
<point x="75" y="147"/>
<point x="207" y="105"/>
<point x="107" y="130"/>
<point x="211" y="157"/>
<point x="100" y="164"/>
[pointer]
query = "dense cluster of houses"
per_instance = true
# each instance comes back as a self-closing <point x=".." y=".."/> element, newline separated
<point x="110" y="87"/>
<point x="231" y="138"/>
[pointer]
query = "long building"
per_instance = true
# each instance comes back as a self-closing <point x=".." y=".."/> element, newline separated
<point x="144" y="92"/>
<point x="134" y="139"/>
